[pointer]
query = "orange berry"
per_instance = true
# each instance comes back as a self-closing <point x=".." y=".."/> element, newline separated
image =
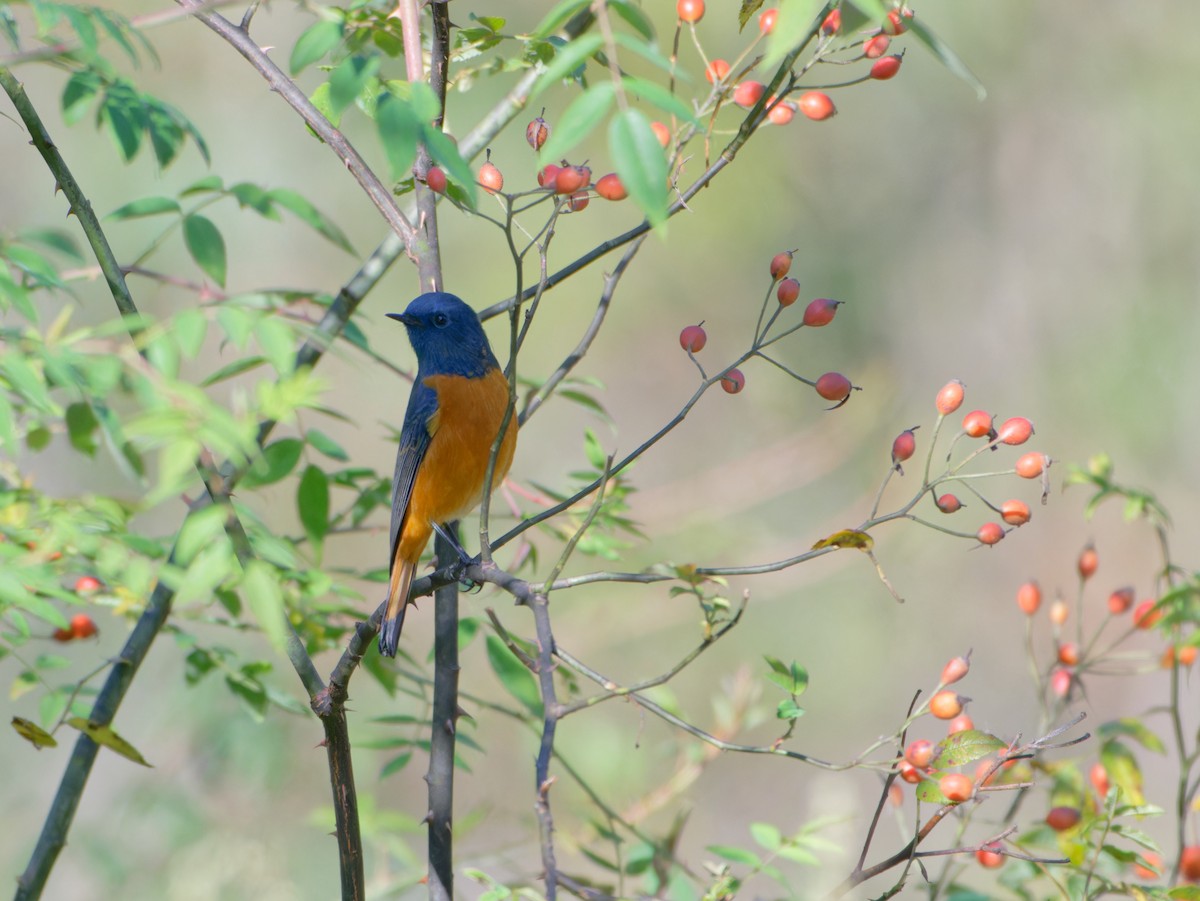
<point x="820" y="312"/>
<point x="948" y="503"/>
<point x="570" y="179"/>
<point x="84" y="584"/>
<point x="690" y="11"/>
<point x="1030" y="465"/>
<point x="1088" y="563"/>
<point x="733" y="381"/>
<point x="767" y="19"/>
<point x="1060" y="682"/>
<point x="989" y="856"/>
<point x="956" y="787"/>
<point x="1189" y="863"/>
<point x="894" y="23"/>
<point x="977" y="423"/>
<point x="816" y="106"/>
<point x="908" y="772"/>
<point x="1186" y="654"/>
<point x="875" y="47"/>
<point x="832" y="23"/>
<point x="717" y="70"/>
<point x="956" y="668"/>
<point x="1062" y="818"/>
<point x="1152" y="868"/>
<point x="489" y="177"/>
<point x="546" y="177"/>
<point x="536" y="132"/>
<point x="662" y="133"/>
<point x="950" y="398"/>
<point x="1098" y="776"/>
<point x="1145" y="616"/>
<point x="1015" y="431"/>
<point x="781" y="263"/>
<point x="919" y="753"/>
<point x="64" y="634"/>
<point x="960" y="723"/>
<point x="1068" y="653"/>
<point x="579" y="201"/>
<point x="1059" y="612"/>
<point x="1029" y="598"/>
<point x="885" y="67"/>
<point x="748" y="93"/>
<point x="787" y="292"/>
<point x="1120" y="600"/>
<point x="946" y="705"/>
<point x="781" y="113"/>
<point x="83" y="626"/>
<point x="1015" y="513"/>
<point x="610" y="187"/>
<point x="990" y="533"/>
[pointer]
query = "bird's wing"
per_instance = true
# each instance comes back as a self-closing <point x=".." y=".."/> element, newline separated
<point x="420" y="421"/>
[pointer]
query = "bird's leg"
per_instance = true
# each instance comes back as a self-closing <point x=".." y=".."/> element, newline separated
<point x="449" y="531"/>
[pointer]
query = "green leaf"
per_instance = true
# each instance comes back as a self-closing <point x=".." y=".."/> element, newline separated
<point x="578" y="120"/>
<point x="315" y="41"/>
<point x="349" y="79"/>
<point x="399" y="130"/>
<point x="796" y="21"/>
<point x="965" y="747"/>
<point x="107" y="736"/>
<point x="787" y="709"/>
<point x="33" y="264"/>
<point x="311" y="216"/>
<point x="632" y="14"/>
<point x="165" y="131"/>
<point x="189" y="328"/>
<point x="948" y="57"/>
<point x="326" y="445"/>
<point x="16" y="295"/>
<point x="312" y="500"/>
<point x="277" y="341"/>
<point x="445" y="152"/>
<point x="278" y="459"/>
<point x="82" y="25"/>
<point x="262" y="593"/>
<point x="205" y="244"/>
<point x="81" y="427"/>
<point x="513" y="675"/>
<point x="256" y="198"/>
<point x="766" y="835"/>
<point x="792" y="677"/>
<point x="54" y="238"/>
<point x="640" y="162"/>
<point x="77" y="95"/>
<point x="125" y="115"/>
<point x="13" y="593"/>
<point x="558" y="17"/>
<point x="145" y="206"/>
<point x="1132" y="728"/>
<point x="1123" y="771"/>
<point x="237" y="367"/>
<point x="659" y="96"/>
<point x="735" y="855"/>
<point x="206" y="185"/>
<point x="568" y="58"/>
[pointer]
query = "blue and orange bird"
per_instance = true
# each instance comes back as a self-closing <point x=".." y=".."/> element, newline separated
<point x="457" y="405"/>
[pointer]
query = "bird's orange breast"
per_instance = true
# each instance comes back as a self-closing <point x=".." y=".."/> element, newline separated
<point x="449" y="483"/>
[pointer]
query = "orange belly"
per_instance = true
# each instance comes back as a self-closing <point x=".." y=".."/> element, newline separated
<point x="449" y="483"/>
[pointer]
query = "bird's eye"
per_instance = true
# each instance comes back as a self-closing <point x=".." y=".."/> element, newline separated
<point x="441" y="320"/>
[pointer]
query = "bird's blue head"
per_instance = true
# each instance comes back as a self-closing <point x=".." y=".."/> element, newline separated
<point x="447" y="336"/>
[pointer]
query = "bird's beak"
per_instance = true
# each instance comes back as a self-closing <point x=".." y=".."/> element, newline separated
<point x="408" y="321"/>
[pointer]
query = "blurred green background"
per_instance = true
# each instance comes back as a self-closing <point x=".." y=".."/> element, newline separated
<point x="1041" y="245"/>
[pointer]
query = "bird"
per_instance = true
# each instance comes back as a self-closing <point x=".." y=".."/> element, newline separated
<point x="458" y="401"/>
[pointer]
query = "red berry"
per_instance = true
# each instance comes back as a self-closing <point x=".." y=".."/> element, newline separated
<point x="781" y="263"/>
<point x="1030" y="465"/>
<point x="833" y="386"/>
<point x="946" y="704"/>
<point x="717" y="70"/>
<point x="1068" y="653"/>
<point x="816" y="106"/>
<point x="693" y="338"/>
<point x="788" y="291"/>
<point x="1059" y="612"/>
<point x="1098" y="776"/>
<point x="1015" y="513"/>
<point x="885" y="67"/>
<point x="64" y="635"/>
<point x="820" y="312"/>
<point x="955" y="669"/>
<point x="691" y="11"/>
<point x="1062" y="818"/>
<point x="1015" y="431"/>
<point x="579" y="201"/>
<point x="894" y="23"/>
<point x="83" y="626"/>
<point x="662" y="133"/>
<point x="989" y="856"/>
<point x="571" y="178"/>
<point x="435" y="179"/>
<point x="1060" y="682"/>
<point x="1145" y="616"/>
<point x="781" y="113"/>
<point x="766" y="20"/>
<point x="85" y="584"/>
<point x="1120" y="600"/>
<point x="904" y="446"/>
<point x="990" y="533"/>
<point x="960" y="723"/>
<point x="610" y="187"/>
<point x="957" y="787"/>
<point x="1189" y="863"/>
<point x="489" y="177"/>
<point x="733" y="381"/>
<point x="948" y="503"/>
<point x="832" y="23"/>
<point x="876" y="47"/>
<point x="1029" y="598"/>
<point x="536" y="133"/>
<point x="908" y="772"/>
<point x="950" y="398"/>
<point x="1088" y="563"/>
<point x="547" y="176"/>
<point x="919" y="753"/>
<point x="1152" y="869"/>
<point x="748" y="93"/>
<point x="977" y="423"/>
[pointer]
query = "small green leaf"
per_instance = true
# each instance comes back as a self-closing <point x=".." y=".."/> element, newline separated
<point x="312" y="500"/>
<point x="578" y="120"/>
<point x="125" y="115"/>
<point x="788" y="710"/>
<point x="796" y="21"/>
<point x="948" y="57"/>
<point x="261" y="592"/>
<point x="1132" y="728"/>
<point x="237" y="367"/>
<point x="445" y="152"/>
<point x="77" y="95"/>
<point x="659" y="96"/>
<point x="107" y="736"/>
<point x="326" y="445"/>
<point x="965" y="747"/>
<point x="313" y="43"/>
<point x="277" y="342"/>
<point x="278" y="459"/>
<point x="81" y="427"/>
<point x="399" y="130"/>
<point x="640" y="162"/>
<point x="189" y="328"/>
<point x="205" y="244"/>
<point x="348" y="79"/>
<point x="54" y="238"/>
<point x="558" y="17"/>
<point x="766" y="835"/>
<point x="634" y="16"/>
<point x="145" y="206"/>
<point x="513" y="675"/>
<point x="792" y="677"/>
<point x="570" y="57"/>
<point x="735" y="855"/>
<point x="166" y="134"/>
<point x="311" y="216"/>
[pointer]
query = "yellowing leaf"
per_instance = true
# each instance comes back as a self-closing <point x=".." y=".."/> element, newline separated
<point x="847" y="538"/>
<point x="33" y="733"/>
<point x="107" y="736"/>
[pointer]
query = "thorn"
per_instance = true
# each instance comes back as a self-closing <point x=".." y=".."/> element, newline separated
<point x="323" y="743"/>
<point x="428" y="819"/>
<point x="449" y="726"/>
<point x="544" y="788"/>
<point x="459" y="712"/>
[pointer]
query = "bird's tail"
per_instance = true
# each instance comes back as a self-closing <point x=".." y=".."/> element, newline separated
<point x="397" y="603"/>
